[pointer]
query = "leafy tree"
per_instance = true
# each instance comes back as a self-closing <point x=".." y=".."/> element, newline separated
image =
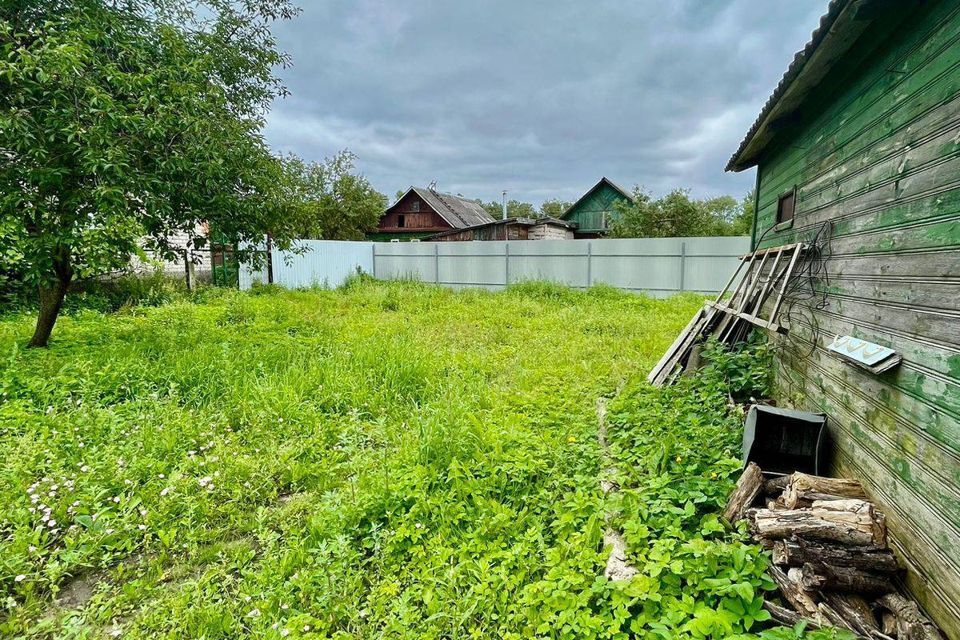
<point x="333" y="202"/>
<point x="124" y="123"/>
<point x="678" y="215"/>
<point x="742" y="223"/>
<point x="515" y="209"/>
<point x="554" y="208"/>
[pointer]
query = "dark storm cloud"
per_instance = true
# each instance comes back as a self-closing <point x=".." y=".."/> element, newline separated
<point x="537" y="97"/>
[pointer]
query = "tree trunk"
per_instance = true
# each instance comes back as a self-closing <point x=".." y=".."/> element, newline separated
<point x="51" y="301"/>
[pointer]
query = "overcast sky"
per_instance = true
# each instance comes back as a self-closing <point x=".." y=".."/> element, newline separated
<point x="539" y="97"/>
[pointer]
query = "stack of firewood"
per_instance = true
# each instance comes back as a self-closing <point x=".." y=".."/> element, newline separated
<point x="830" y="556"/>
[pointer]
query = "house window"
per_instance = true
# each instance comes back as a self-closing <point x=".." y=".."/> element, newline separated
<point x="400" y="221"/>
<point x="415" y="206"/>
<point x="785" y="206"/>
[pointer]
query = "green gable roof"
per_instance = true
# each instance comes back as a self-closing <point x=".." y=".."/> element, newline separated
<point x="594" y="210"/>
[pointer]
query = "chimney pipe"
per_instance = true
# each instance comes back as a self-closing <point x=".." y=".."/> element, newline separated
<point x="504" y="204"/>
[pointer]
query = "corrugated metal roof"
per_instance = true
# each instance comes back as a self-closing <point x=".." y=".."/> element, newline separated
<point x="524" y="222"/>
<point x="458" y="211"/>
<point x="796" y="68"/>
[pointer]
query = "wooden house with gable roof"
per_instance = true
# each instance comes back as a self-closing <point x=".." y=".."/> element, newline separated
<point x="424" y="212"/>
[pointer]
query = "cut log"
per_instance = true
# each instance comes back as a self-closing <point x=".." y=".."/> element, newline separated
<point x="853" y="525"/>
<point x="775" y="504"/>
<point x="888" y="623"/>
<point x="791" y="588"/>
<point x="911" y="624"/>
<point x="787" y="617"/>
<point x="618" y="566"/>
<point x="748" y="488"/>
<point x="827" y="577"/>
<point x="804" y="489"/>
<point x="796" y="552"/>
<point x="855" y="611"/>
<point x="855" y="512"/>
<point x="775" y="486"/>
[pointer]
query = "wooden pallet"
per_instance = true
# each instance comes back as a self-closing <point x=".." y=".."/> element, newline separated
<point x="768" y="271"/>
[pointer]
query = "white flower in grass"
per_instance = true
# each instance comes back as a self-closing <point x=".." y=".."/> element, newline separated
<point x="285" y="632"/>
<point x="161" y="476"/>
<point x="84" y="468"/>
<point x="116" y="499"/>
<point x="109" y="531"/>
<point x="165" y="491"/>
<point x="142" y="527"/>
<point x="20" y="578"/>
<point x="306" y="628"/>
<point x="284" y="606"/>
<point x="31" y="549"/>
<point x="254" y="613"/>
<point x="204" y="481"/>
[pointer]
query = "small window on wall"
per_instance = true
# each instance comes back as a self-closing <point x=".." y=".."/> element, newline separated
<point x="401" y="222"/>
<point x="785" y="206"/>
<point x="415" y="206"/>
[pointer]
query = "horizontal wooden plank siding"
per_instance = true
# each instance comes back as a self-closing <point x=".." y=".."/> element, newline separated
<point x="875" y="161"/>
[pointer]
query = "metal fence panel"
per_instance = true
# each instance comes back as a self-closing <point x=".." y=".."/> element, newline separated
<point x="324" y="263"/>
<point x="656" y="266"/>
<point x="404" y="260"/>
<point x="471" y="264"/>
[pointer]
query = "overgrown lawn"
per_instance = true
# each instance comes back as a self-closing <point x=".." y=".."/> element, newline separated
<point x="387" y="460"/>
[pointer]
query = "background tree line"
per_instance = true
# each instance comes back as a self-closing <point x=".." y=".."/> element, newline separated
<point x="678" y="215"/>
<point x="675" y="214"/>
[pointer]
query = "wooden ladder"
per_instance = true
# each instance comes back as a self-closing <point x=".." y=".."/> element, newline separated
<point x="725" y="318"/>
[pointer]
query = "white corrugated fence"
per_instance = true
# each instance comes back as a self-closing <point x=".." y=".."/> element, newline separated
<point x="656" y="266"/>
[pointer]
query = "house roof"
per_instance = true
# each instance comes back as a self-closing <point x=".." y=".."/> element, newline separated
<point x="526" y="222"/>
<point x="839" y="29"/>
<point x="603" y="181"/>
<point x="459" y="212"/>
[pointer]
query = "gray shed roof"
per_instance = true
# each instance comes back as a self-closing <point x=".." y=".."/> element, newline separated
<point x="459" y="212"/>
<point x="839" y="29"/>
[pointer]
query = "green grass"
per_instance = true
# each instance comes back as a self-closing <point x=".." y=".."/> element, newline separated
<point x="386" y="460"/>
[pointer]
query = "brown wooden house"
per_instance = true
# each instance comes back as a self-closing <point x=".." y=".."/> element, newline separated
<point x="424" y="212"/>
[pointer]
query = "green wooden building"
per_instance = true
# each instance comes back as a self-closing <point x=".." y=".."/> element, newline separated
<point x="858" y="153"/>
<point x="594" y="211"/>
